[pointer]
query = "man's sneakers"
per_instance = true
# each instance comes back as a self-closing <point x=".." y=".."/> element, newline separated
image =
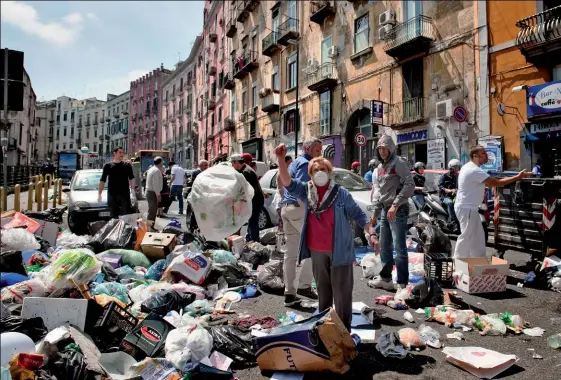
<point x="291" y="300"/>
<point x="308" y="293"/>
<point x="380" y="283"/>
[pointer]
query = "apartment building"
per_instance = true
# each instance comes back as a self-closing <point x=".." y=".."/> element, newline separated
<point x="212" y="110"/>
<point x="413" y="61"/>
<point x="23" y="132"/>
<point x="524" y="95"/>
<point x="178" y="118"/>
<point x="114" y="131"/>
<point x="144" y="115"/>
<point x="88" y="122"/>
<point x="65" y="123"/>
<point x="45" y="115"/>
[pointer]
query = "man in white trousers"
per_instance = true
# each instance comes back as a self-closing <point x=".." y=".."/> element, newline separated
<point x="471" y="190"/>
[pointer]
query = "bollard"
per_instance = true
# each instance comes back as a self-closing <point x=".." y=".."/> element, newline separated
<point x="55" y="192"/>
<point x="2" y="204"/>
<point x="46" y="194"/>
<point x="30" y="197"/>
<point x="40" y="177"/>
<point x="38" y="194"/>
<point x="17" y="191"/>
<point x="59" y="191"/>
<point x="48" y="180"/>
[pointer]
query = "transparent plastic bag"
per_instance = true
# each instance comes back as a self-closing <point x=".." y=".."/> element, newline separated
<point x="221" y="200"/>
<point x="73" y="265"/>
<point x="16" y="293"/>
<point x="113" y="289"/>
<point x="69" y="240"/>
<point x="130" y="257"/>
<point x="19" y="239"/>
<point x="220" y="256"/>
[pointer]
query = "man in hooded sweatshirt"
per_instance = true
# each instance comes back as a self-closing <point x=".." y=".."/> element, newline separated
<point x="391" y="204"/>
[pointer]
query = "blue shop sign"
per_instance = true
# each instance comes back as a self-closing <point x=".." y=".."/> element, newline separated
<point x="409" y="137"/>
<point x="544" y="99"/>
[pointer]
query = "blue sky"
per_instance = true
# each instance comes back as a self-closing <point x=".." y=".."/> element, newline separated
<point x="83" y="49"/>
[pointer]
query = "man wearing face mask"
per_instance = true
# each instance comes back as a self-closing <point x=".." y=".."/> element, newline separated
<point x="292" y="219"/>
<point x="394" y="188"/>
<point x="326" y="235"/>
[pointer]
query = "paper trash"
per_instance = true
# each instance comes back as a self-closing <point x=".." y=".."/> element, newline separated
<point x="117" y="364"/>
<point x="483" y="363"/>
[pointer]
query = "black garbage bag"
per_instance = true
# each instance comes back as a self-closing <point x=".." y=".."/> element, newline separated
<point x="50" y="215"/>
<point x="12" y="262"/>
<point x="116" y="234"/>
<point x="44" y="245"/>
<point x="256" y="254"/>
<point x="44" y="374"/>
<point x="32" y="327"/>
<point x="426" y="293"/>
<point x="164" y="301"/>
<point x="234" y="274"/>
<point x="109" y="272"/>
<point x="233" y="342"/>
<point x="268" y="236"/>
<point x="200" y="371"/>
<point x="433" y="239"/>
<point x="94" y="227"/>
<point x="70" y="365"/>
<point x="270" y="279"/>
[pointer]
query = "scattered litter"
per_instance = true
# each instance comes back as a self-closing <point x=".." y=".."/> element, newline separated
<point x="287" y="376"/>
<point x="535" y="331"/>
<point x="483" y="363"/>
<point x="456" y="335"/>
<point x="365" y="335"/>
<point x="409" y="317"/>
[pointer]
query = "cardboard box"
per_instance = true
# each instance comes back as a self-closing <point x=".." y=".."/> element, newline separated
<point x="236" y="244"/>
<point x="157" y="246"/>
<point x="477" y="275"/>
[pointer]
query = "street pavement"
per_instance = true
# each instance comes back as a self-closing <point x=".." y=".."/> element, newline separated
<point x="541" y="308"/>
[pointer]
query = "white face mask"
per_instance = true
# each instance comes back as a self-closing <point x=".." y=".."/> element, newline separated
<point x="321" y="178"/>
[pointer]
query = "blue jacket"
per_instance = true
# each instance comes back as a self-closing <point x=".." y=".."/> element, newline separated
<point x="298" y="170"/>
<point x="345" y="209"/>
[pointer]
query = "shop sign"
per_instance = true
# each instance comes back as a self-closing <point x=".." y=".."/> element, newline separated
<point x="436" y="155"/>
<point x="545" y="127"/>
<point x="376" y="112"/>
<point x="494" y="147"/>
<point x="544" y="99"/>
<point x="409" y="137"/>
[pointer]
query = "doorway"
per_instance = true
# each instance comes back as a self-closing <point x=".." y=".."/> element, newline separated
<point x="360" y="122"/>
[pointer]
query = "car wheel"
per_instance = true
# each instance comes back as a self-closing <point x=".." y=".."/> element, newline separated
<point x="264" y="220"/>
<point x="72" y="225"/>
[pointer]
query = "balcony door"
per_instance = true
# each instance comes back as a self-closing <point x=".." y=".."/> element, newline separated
<point x="413" y="9"/>
<point x="412" y="106"/>
<point x="325" y="70"/>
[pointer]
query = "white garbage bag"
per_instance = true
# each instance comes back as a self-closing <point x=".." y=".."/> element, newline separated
<point x="371" y="265"/>
<point x="221" y="200"/>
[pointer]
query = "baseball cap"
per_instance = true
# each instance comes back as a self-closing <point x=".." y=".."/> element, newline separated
<point x="355" y="164"/>
<point x="247" y="157"/>
<point x="236" y="158"/>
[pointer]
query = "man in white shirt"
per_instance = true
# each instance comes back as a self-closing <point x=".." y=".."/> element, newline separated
<point x="154" y="185"/>
<point x="177" y="180"/>
<point x="471" y="190"/>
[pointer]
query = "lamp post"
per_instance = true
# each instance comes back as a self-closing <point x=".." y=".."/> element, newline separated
<point x="297" y="126"/>
<point x="85" y="150"/>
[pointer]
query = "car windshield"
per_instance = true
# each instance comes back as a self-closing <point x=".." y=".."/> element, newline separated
<point x="87" y="181"/>
<point x="351" y="181"/>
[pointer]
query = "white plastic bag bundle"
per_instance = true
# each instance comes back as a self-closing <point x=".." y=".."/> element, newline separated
<point x="371" y="265"/>
<point x="19" y="239"/>
<point x="17" y="292"/>
<point x="221" y="200"/>
<point x="185" y="344"/>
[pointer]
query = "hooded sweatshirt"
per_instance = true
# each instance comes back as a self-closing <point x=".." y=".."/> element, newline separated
<point x="395" y="183"/>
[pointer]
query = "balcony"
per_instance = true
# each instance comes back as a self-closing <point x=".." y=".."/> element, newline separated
<point x="125" y="113"/>
<point x="116" y="116"/>
<point x="212" y="70"/>
<point x="231" y="27"/>
<point x="80" y="125"/>
<point x="320" y="10"/>
<point x="539" y="37"/>
<point x="87" y="123"/>
<point x="229" y="83"/>
<point x="210" y="103"/>
<point x="212" y="36"/>
<point x="245" y="64"/>
<point x="324" y="78"/>
<point x="270" y="102"/>
<point x="269" y="45"/>
<point x="409" y="38"/>
<point x="244" y="8"/>
<point x="108" y="118"/>
<point x="288" y="30"/>
<point x="95" y="122"/>
<point x="411" y="111"/>
<point x="229" y="125"/>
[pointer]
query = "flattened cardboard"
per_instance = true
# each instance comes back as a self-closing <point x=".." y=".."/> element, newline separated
<point x="157" y="246"/>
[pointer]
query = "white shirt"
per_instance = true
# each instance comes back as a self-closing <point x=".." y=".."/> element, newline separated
<point x="179" y="174"/>
<point x="471" y="189"/>
<point x="154" y="180"/>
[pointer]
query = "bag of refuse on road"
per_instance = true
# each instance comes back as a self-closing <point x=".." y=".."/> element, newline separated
<point x="165" y="301"/>
<point x="67" y="239"/>
<point x="16" y="293"/>
<point x="268" y="236"/>
<point x="257" y="254"/>
<point x="19" y="239"/>
<point x="12" y="261"/>
<point x="50" y="215"/>
<point x="70" y="267"/>
<point x="116" y="234"/>
<point x="186" y="344"/>
<point x="233" y="342"/>
<point x="371" y="265"/>
<point x="234" y="274"/>
<point x="32" y="327"/>
<point x="113" y="289"/>
<point x="130" y="257"/>
<point x="326" y="345"/>
<point x="270" y="278"/>
<point x="221" y="201"/>
<point x="156" y="270"/>
<point x="425" y="293"/>
<point x="433" y="239"/>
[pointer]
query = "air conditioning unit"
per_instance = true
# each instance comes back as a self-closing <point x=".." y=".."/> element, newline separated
<point x="388" y="17"/>
<point x="243" y="116"/>
<point x="332" y="52"/>
<point x="384" y="31"/>
<point x="444" y="109"/>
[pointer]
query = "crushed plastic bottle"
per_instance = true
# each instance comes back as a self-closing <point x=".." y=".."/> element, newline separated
<point x="554" y="341"/>
<point x="530" y="277"/>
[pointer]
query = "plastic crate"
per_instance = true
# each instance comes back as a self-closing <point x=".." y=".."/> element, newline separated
<point x="115" y="316"/>
<point x="439" y="266"/>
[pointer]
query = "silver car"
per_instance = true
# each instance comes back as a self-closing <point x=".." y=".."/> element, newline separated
<point x="83" y="204"/>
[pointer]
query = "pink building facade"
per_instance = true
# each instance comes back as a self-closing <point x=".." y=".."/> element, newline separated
<point x="145" y="118"/>
<point x="212" y="100"/>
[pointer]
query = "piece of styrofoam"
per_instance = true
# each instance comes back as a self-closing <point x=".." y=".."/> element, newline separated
<point x="56" y="311"/>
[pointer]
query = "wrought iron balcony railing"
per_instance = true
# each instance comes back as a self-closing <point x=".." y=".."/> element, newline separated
<point x="410" y="37"/>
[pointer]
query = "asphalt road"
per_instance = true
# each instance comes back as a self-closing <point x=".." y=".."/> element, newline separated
<point x="540" y="308"/>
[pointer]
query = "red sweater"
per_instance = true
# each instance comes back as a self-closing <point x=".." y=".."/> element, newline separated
<point x="320" y="230"/>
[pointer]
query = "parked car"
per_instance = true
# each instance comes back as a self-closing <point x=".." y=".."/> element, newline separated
<point x="83" y="204"/>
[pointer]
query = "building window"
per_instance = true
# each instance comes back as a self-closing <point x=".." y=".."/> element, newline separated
<point x="63" y="146"/>
<point x="219" y="114"/>
<point x="254" y="93"/>
<point x="58" y="119"/>
<point x="290" y="122"/>
<point x="291" y="71"/>
<point x="71" y="146"/>
<point x="362" y="32"/>
<point x="65" y="116"/>
<point x="88" y="134"/>
<point x="95" y="132"/>
<point x="275" y="80"/>
<point x="244" y="100"/>
<point x="56" y="146"/>
<point x="72" y="116"/>
<point x="325" y="113"/>
<point x="64" y="132"/>
<point x="58" y="134"/>
<point x="95" y="147"/>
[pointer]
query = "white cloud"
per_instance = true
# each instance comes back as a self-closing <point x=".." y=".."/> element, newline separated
<point x="26" y="17"/>
<point x="115" y="85"/>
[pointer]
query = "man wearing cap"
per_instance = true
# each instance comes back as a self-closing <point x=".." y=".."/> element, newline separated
<point x="239" y="163"/>
<point x="355" y="167"/>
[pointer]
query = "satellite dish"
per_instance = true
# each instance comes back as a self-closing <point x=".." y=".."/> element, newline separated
<point x="501" y="109"/>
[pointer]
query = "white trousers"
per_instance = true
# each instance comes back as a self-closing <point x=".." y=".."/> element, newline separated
<point x="471" y="242"/>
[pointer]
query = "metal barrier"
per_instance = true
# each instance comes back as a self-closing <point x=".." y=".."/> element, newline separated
<point x="18" y="175"/>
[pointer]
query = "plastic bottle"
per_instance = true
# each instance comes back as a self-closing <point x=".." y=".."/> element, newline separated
<point x="554" y="341"/>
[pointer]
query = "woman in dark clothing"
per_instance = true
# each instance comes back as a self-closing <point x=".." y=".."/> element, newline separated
<point x="419" y="179"/>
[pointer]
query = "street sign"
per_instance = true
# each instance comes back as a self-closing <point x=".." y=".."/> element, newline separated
<point x="460" y="114"/>
<point x="360" y="139"/>
<point x="376" y="112"/>
<point x="460" y="133"/>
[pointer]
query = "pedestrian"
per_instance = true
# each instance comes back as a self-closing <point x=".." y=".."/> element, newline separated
<point x="355" y="167"/>
<point x="177" y="181"/>
<point x="258" y="200"/>
<point x="48" y="168"/>
<point x="419" y="180"/>
<point x="165" y="202"/>
<point x="288" y="160"/>
<point x="326" y="235"/>
<point x="391" y="204"/>
<point x="372" y="165"/>
<point x="247" y="158"/>
<point x="293" y="215"/>
<point x="537" y="169"/>
<point x="154" y="186"/>
<point x="121" y="181"/>
<point x="203" y="165"/>
<point x="471" y="191"/>
<point x="448" y="186"/>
